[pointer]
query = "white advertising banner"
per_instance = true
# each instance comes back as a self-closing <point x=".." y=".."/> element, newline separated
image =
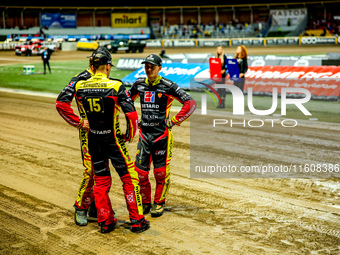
<point x="281" y="16"/>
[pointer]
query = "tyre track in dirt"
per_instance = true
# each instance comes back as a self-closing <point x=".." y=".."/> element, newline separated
<point x="41" y="170"/>
<point x="35" y="221"/>
<point x="221" y="199"/>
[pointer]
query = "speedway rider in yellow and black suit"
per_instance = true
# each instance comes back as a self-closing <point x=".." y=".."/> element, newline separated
<point x="84" y="202"/>
<point x="102" y="98"/>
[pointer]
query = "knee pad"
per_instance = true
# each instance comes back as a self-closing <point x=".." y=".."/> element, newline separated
<point x="160" y="174"/>
<point x="142" y="175"/>
<point x="102" y="182"/>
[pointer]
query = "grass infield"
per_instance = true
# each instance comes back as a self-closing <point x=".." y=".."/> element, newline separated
<point x="62" y="71"/>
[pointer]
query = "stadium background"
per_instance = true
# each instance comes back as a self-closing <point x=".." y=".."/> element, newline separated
<point x="211" y="20"/>
<point x="216" y="216"/>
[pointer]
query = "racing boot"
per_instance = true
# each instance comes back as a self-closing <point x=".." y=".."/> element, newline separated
<point x="80" y="217"/>
<point x="146" y="208"/>
<point x="108" y="228"/>
<point x="138" y="226"/>
<point x="92" y="212"/>
<point x="157" y="210"/>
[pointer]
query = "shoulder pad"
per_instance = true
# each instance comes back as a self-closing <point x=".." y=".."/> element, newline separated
<point x="112" y="79"/>
<point x="84" y="75"/>
<point x="166" y="82"/>
<point x="116" y="80"/>
<point x="139" y="80"/>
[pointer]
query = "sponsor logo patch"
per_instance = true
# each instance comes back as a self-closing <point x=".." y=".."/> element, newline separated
<point x="149" y="97"/>
<point x="71" y="84"/>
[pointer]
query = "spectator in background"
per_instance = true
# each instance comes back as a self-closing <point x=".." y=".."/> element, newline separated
<point x="46" y="59"/>
<point x="222" y="91"/>
<point x="241" y="56"/>
<point x="279" y="31"/>
<point x="162" y="54"/>
<point x="328" y="26"/>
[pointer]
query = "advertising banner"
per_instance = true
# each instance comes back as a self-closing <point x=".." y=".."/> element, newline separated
<point x="281" y="16"/>
<point x="323" y="82"/>
<point x="154" y="43"/>
<point x="305" y="40"/>
<point x="136" y="63"/>
<point x="318" y="40"/>
<point x="213" y="43"/>
<point x="129" y="19"/>
<point x="58" y="20"/>
<point x="272" y="60"/>
<point x="130" y="63"/>
<point x="176" y="72"/>
<point x="180" y="43"/>
<point x="247" y="42"/>
<point x="188" y="58"/>
<point x="283" y="41"/>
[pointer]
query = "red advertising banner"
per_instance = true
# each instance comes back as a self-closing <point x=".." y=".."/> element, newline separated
<point x="215" y="68"/>
<point x="323" y="82"/>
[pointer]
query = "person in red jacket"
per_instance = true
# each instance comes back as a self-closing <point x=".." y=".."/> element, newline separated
<point x="155" y="136"/>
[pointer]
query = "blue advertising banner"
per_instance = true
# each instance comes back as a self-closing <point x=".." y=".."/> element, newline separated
<point x="177" y="72"/>
<point x="58" y="20"/>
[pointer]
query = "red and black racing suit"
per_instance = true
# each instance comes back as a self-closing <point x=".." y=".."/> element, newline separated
<point x="63" y="104"/>
<point x="155" y="139"/>
<point x="102" y="98"/>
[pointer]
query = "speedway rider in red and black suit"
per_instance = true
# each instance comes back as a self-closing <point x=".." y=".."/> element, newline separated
<point x="155" y="135"/>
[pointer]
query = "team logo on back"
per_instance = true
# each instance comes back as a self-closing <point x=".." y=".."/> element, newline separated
<point x="149" y="97"/>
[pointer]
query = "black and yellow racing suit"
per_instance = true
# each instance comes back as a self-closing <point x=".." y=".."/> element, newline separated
<point x="63" y="104"/>
<point x="102" y="99"/>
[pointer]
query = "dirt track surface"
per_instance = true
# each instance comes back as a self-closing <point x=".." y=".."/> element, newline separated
<point x="40" y="172"/>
